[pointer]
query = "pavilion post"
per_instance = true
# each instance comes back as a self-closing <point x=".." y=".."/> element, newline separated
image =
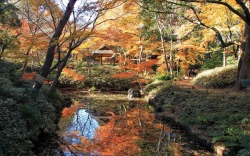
<point x="101" y="59"/>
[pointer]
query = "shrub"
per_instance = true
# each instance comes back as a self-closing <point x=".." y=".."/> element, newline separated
<point x="23" y="119"/>
<point x="218" y="77"/>
<point x="103" y="76"/>
<point x="153" y="85"/>
<point x="164" y="77"/>
<point x="212" y="60"/>
<point x="25" y="116"/>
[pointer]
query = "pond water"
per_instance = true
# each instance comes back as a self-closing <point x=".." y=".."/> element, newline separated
<point x="82" y="125"/>
<point x="117" y="126"/>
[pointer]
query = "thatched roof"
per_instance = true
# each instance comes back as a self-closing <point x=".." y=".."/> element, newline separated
<point x="104" y="51"/>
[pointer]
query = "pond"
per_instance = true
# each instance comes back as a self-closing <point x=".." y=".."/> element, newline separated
<point x="111" y="125"/>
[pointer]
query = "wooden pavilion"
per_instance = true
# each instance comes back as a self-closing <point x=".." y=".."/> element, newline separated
<point x="104" y="54"/>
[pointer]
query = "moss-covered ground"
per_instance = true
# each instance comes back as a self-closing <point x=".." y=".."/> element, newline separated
<point x="212" y="116"/>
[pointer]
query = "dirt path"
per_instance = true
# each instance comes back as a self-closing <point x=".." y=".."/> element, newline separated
<point x="186" y="83"/>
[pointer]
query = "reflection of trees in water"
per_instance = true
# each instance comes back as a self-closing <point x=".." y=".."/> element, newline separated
<point x="120" y="136"/>
<point x="166" y="137"/>
<point x="81" y="132"/>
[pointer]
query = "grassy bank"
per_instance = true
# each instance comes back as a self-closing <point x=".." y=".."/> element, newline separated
<point x="212" y="117"/>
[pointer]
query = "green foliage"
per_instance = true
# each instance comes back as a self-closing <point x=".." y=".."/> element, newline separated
<point x="8" y="14"/>
<point x="164" y="77"/>
<point x="154" y="67"/>
<point x="218" y="77"/>
<point x="231" y="60"/>
<point x="25" y="116"/>
<point x="99" y="77"/>
<point x="153" y="85"/>
<point x="67" y="81"/>
<point x="93" y="88"/>
<point x="245" y="143"/>
<point x="8" y="41"/>
<point x="212" y="60"/>
<point x="7" y="68"/>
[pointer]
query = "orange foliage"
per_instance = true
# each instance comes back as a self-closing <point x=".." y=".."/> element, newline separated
<point x="146" y="66"/>
<point x="71" y="110"/>
<point x="123" y="75"/>
<point x="162" y="69"/>
<point x="145" y="81"/>
<point x="29" y="76"/>
<point x="73" y="74"/>
<point x="119" y="136"/>
<point x="67" y="112"/>
<point x="142" y="67"/>
<point x="116" y="137"/>
<point x="32" y="76"/>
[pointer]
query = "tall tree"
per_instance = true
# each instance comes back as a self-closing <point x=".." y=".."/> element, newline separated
<point x="241" y="9"/>
<point x="33" y="36"/>
<point x="52" y="44"/>
<point x="236" y="7"/>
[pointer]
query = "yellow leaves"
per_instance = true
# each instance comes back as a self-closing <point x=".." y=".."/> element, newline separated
<point x="162" y="69"/>
<point x="188" y="53"/>
<point x="184" y="29"/>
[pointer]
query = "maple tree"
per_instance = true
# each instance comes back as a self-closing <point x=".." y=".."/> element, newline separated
<point x="51" y="49"/>
<point x="225" y="29"/>
<point x="34" y="37"/>
<point x="240" y="9"/>
<point x="70" y="29"/>
<point x="124" y="32"/>
<point x="163" y="22"/>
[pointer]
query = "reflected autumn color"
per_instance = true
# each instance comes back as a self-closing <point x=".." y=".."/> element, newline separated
<point x="119" y="136"/>
<point x="122" y="134"/>
<point x="110" y="125"/>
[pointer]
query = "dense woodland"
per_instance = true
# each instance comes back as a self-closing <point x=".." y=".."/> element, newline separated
<point x="47" y="45"/>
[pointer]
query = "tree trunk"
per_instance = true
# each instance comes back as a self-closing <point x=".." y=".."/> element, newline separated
<point x="164" y="51"/>
<point x="55" y="81"/>
<point x="244" y="64"/>
<point x="2" y="51"/>
<point x="141" y="48"/>
<point x="224" y="58"/>
<point x="171" y="56"/>
<point x="26" y="60"/>
<point x="51" y="49"/>
<point x="162" y="43"/>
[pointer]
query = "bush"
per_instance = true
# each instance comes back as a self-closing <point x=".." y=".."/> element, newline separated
<point x="212" y="60"/>
<point x="164" y="77"/>
<point x="102" y="77"/>
<point x="25" y="117"/>
<point x="153" y="85"/>
<point x="218" y="77"/>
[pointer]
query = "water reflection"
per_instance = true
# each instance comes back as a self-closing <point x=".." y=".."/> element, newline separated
<point x="130" y="129"/>
<point x="82" y="126"/>
<point x="84" y="123"/>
